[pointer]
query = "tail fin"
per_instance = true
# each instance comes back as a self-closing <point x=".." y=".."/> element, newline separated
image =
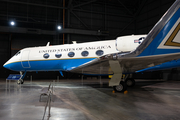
<point x="164" y="38"/>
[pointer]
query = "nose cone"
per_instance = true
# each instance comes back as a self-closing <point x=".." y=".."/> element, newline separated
<point x="13" y="63"/>
<point x="6" y="65"/>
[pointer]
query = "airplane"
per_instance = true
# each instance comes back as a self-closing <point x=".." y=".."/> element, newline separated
<point x="125" y="55"/>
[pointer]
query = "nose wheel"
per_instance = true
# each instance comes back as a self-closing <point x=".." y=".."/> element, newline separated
<point x="20" y="81"/>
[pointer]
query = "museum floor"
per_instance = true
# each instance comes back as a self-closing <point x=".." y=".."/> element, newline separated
<point x="74" y="100"/>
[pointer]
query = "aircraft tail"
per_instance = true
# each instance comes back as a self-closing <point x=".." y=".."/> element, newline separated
<point x="164" y="38"/>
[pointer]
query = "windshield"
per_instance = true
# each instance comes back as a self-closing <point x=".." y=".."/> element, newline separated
<point x="17" y="53"/>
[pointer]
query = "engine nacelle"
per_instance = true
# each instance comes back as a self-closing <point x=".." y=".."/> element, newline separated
<point x="129" y="43"/>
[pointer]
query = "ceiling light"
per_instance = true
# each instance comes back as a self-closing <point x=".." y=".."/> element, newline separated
<point x="12" y="23"/>
<point x="59" y="27"/>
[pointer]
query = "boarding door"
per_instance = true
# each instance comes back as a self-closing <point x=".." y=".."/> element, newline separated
<point x="25" y="59"/>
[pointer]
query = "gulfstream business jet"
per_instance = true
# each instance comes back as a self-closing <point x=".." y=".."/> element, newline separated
<point x="125" y="55"/>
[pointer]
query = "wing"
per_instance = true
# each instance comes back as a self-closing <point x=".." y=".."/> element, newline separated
<point x="128" y="64"/>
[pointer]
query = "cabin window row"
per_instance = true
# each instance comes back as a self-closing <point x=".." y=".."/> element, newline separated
<point x="72" y="54"/>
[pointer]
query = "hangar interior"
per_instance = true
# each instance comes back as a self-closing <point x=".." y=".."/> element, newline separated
<point x="81" y="20"/>
<point x="35" y="24"/>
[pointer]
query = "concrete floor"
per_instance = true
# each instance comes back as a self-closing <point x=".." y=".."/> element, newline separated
<point x="148" y="100"/>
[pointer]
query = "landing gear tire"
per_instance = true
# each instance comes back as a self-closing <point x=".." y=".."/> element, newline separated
<point x="130" y="82"/>
<point x="121" y="87"/>
<point x="20" y="81"/>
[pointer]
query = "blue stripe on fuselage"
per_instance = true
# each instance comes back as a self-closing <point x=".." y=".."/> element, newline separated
<point x="152" y="48"/>
<point x="49" y="65"/>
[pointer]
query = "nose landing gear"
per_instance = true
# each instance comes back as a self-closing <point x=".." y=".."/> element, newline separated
<point x="21" y="81"/>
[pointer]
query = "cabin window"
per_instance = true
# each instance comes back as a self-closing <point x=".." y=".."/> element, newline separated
<point x="85" y="53"/>
<point x="46" y="55"/>
<point x="58" y="55"/>
<point x="99" y="52"/>
<point x="71" y="54"/>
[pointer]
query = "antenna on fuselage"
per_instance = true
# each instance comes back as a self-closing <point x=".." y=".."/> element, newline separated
<point x="74" y="42"/>
<point x="48" y="44"/>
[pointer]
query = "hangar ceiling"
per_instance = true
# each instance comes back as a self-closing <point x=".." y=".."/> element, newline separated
<point x="102" y="19"/>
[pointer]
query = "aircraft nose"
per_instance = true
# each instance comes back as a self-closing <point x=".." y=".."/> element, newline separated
<point x="6" y="65"/>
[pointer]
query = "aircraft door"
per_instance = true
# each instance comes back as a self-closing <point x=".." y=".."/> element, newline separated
<point x="25" y="59"/>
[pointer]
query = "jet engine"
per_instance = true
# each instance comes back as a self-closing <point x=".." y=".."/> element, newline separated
<point x="129" y="43"/>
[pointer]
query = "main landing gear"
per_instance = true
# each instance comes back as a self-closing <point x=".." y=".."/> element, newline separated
<point x="121" y="87"/>
<point x="129" y="82"/>
<point x="21" y="81"/>
<point x="118" y="84"/>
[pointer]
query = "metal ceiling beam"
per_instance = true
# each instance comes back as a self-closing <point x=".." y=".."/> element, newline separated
<point x="117" y="35"/>
<point x="140" y="8"/>
<point x="80" y="20"/>
<point x="69" y="3"/>
<point x="34" y="4"/>
<point x="69" y="18"/>
<point x="125" y="7"/>
<point x="30" y="18"/>
<point x="84" y="3"/>
<point x="95" y="12"/>
<point x="48" y="32"/>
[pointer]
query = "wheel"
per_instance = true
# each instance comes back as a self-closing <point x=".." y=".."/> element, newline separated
<point x="130" y="82"/>
<point x="20" y="81"/>
<point x="121" y="87"/>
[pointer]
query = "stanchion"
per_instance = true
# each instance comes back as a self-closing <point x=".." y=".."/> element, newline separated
<point x="100" y="82"/>
<point x="82" y="82"/>
<point x="31" y="79"/>
<point x="9" y="86"/>
<point x="49" y="115"/>
<point x="6" y="86"/>
<point x="48" y="103"/>
<point x="57" y="78"/>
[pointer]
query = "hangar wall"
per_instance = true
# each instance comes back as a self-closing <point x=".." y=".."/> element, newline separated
<point x="4" y="53"/>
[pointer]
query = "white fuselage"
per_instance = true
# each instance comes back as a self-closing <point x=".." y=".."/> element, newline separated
<point x="65" y="57"/>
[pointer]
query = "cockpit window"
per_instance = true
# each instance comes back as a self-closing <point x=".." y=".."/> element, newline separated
<point x="17" y="53"/>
